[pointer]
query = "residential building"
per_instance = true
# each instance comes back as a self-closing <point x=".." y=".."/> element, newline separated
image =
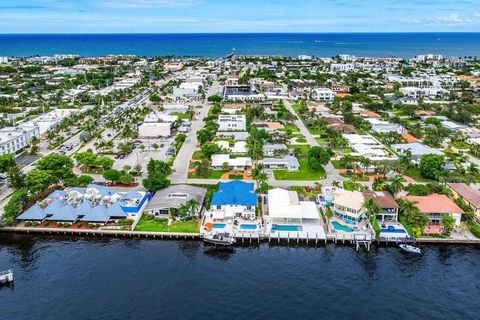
<point x="468" y="195"/>
<point x="239" y="163"/>
<point x="323" y="94"/>
<point x="237" y="147"/>
<point x="380" y="126"/>
<point x="386" y="203"/>
<point x="369" y="147"/>
<point x="416" y="149"/>
<point x="271" y="149"/>
<point x="173" y="197"/>
<point x="289" y="163"/>
<point x="435" y="206"/>
<point x="348" y="205"/>
<point x="235" y="122"/>
<point x="234" y="199"/>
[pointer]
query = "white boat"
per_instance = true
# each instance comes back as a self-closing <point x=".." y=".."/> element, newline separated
<point x="410" y="249"/>
<point x="223" y="239"/>
<point x="6" y="276"/>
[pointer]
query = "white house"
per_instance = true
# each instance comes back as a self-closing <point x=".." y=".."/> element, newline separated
<point x="287" y="162"/>
<point x="238" y="163"/>
<point x="323" y="94"/>
<point x="234" y="122"/>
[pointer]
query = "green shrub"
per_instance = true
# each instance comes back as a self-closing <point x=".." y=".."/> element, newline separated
<point x="28" y="224"/>
<point x="474" y="229"/>
<point x="47" y="223"/>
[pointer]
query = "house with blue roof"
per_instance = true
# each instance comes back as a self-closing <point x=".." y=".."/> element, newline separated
<point x="234" y="199"/>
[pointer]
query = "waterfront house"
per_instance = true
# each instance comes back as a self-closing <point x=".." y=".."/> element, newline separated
<point x="234" y="199"/>
<point x="435" y="206"/>
<point x="348" y="205"/>
<point x="468" y="195"/>
<point x="386" y="203"/>
<point x="173" y="197"/>
<point x="284" y="206"/>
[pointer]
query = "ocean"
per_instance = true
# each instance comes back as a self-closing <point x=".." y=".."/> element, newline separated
<point x="405" y="45"/>
<point x="103" y="278"/>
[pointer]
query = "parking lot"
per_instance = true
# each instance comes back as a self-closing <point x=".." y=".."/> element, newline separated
<point x="137" y="156"/>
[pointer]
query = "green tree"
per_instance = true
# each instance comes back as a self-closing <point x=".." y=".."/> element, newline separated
<point x="6" y="162"/>
<point x="16" y="178"/>
<point x="127" y="178"/>
<point x="209" y="149"/>
<point x="396" y="185"/>
<point x="112" y="175"/>
<point x="38" y="180"/>
<point x="104" y="162"/>
<point x="192" y="206"/>
<point x="214" y="98"/>
<point x="59" y="166"/>
<point x="448" y="222"/>
<point x="156" y="181"/>
<point x="431" y="166"/>
<point x="317" y="156"/>
<point x="204" y="136"/>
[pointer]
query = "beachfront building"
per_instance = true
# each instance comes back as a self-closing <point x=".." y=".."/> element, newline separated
<point x="323" y="94"/>
<point x="173" y="197"/>
<point x="435" y="206"/>
<point x="468" y="195"/>
<point x="234" y="199"/>
<point x="289" y="163"/>
<point x="348" y="205"/>
<point x="95" y="204"/>
<point x="227" y="122"/>
<point x="386" y="203"/>
<point x="239" y="163"/>
<point x="287" y="215"/>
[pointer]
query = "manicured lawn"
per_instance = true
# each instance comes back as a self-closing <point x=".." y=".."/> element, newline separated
<point x="414" y="173"/>
<point x="301" y="140"/>
<point x="198" y="155"/>
<point x="296" y="107"/>
<point x="346" y="150"/>
<point x="160" y="225"/>
<point x="322" y="141"/>
<point x="337" y="164"/>
<point x="304" y="173"/>
<point x="212" y="174"/>
<point x="315" y="131"/>
<point x="292" y="127"/>
<point x="304" y="149"/>
<point x="460" y="145"/>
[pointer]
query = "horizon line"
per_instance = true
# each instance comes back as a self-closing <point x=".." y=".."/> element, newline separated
<point x="238" y="32"/>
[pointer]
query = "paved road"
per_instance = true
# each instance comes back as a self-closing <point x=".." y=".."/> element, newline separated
<point x="182" y="160"/>
<point x="332" y="174"/>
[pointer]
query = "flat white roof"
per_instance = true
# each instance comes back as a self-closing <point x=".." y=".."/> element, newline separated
<point x="284" y="204"/>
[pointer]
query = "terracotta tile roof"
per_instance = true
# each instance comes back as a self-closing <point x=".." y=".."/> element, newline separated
<point x="383" y="199"/>
<point x="369" y="114"/>
<point x="467" y="193"/>
<point x="339" y="126"/>
<point x="435" y="203"/>
<point x="409" y="138"/>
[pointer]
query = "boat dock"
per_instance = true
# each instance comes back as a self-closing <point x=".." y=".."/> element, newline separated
<point x="6" y="277"/>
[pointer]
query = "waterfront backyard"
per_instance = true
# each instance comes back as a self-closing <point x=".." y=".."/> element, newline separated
<point x="161" y="225"/>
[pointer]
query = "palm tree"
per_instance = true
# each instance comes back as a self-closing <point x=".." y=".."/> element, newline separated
<point x="336" y="184"/>
<point x="192" y="206"/>
<point x="365" y="163"/>
<point x="395" y="185"/>
<point x="261" y="179"/>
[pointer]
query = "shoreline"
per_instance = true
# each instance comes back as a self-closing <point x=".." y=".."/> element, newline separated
<point x="243" y="239"/>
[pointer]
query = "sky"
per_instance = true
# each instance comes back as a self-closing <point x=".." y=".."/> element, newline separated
<point x="214" y="16"/>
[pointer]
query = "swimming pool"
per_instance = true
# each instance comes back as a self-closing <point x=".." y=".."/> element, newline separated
<point x="392" y="229"/>
<point x="248" y="226"/>
<point x="340" y="227"/>
<point x="281" y="227"/>
<point x="218" y="225"/>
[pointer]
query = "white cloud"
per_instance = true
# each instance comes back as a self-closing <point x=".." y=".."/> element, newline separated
<point x="150" y="3"/>
<point x="476" y="14"/>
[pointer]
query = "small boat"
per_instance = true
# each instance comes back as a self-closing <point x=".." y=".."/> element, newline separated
<point x="6" y="276"/>
<point x="410" y="248"/>
<point x="223" y="239"/>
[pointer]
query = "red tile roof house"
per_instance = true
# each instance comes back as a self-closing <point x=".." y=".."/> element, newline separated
<point x="469" y="195"/>
<point x="435" y="206"/>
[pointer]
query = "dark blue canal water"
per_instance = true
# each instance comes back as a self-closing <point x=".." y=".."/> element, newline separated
<point x="73" y="278"/>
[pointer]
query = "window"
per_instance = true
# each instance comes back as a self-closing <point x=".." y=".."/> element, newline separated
<point x="177" y="195"/>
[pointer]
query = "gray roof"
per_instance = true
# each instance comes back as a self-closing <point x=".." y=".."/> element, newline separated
<point x="236" y="135"/>
<point x="161" y="198"/>
<point x="290" y="161"/>
<point x="273" y="147"/>
<point x="416" y="148"/>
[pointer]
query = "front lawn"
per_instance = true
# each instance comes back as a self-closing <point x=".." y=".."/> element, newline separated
<point x="304" y="173"/>
<point x="415" y="174"/>
<point x="303" y="148"/>
<point x="160" y="225"/>
<point x="212" y="174"/>
<point x="198" y="155"/>
<point x="292" y="127"/>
